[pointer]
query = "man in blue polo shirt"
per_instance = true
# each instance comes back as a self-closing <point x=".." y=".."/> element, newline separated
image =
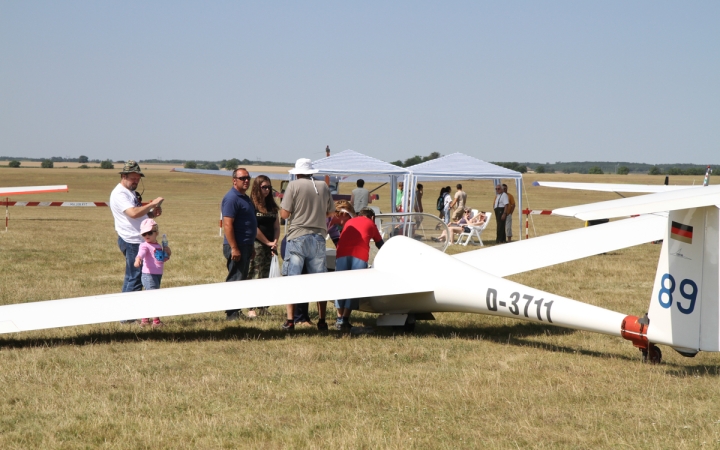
<point x="240" y="227"/>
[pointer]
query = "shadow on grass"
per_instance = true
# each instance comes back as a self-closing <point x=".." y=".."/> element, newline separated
<point x="698" y="370"/>
<point x="516" y="335"/>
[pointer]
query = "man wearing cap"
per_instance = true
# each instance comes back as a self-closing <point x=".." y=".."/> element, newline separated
<point x="129" y="213"/>
<point x="306" y="205"/>
<point x="240" y="228"/>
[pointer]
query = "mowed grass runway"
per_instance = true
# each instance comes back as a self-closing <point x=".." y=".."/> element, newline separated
<point x="462" y="381"/>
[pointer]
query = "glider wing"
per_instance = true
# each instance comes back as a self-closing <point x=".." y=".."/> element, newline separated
<point x="11" y="191"/>
<point x="202" y="299"/>
<point x="645" y="204"/>
<point x="531" y="254"/>
<point x="609" y="187"/>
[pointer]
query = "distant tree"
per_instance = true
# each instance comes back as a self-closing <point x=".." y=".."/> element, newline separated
<point x="232" y="164"/>
<point x="107" y="164"/>
<point x="83" y="166"/>
<point x="190" y="165"/>
<point x="695" y="171"/>
<point x="623" y="170"/>
<point x="540" y="169"/>
<point x="210" y="166"/>
<point x="433" y="155"/>
<point x="397" y="163"/>
<point x="83" y="159"/>
<point x="522" y="168"/>
<point x="595" y="170"/>
<point x="674" y="171"/>
<point x="654" y="170"/>
<point x="567" y="170"/>
<point x="412" y="161"/>
<point x="46" y="164"/>
<point x="14" y="163"/>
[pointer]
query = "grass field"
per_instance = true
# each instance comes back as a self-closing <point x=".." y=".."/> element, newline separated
<point x="462" y="381"/>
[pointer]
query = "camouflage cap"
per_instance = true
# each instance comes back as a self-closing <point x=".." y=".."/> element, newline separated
<point x="131" y="167"/>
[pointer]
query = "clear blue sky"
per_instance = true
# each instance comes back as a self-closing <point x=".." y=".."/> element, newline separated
<point x="540" y="81"/>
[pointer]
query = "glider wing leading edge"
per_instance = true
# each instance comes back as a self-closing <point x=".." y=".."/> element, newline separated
<point x="22" y="190"/>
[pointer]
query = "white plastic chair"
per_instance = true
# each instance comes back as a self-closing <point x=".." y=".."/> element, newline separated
<point x="474" y="232"/>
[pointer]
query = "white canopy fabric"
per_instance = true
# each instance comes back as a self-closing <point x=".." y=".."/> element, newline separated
<point x="458" y="166"/>
<point x="352" y="165"/>
<point x="351" y="162"/>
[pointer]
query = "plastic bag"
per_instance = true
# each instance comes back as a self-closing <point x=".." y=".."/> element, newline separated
<point x="274" y="267"/>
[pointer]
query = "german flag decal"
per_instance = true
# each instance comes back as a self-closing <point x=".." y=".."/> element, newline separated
<point x="682" y="233"/>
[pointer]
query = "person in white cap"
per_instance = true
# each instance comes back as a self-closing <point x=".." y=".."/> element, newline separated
<point x="306" y="205"/>
<point x="151" y="258"/>
<point x="129" y="212"/>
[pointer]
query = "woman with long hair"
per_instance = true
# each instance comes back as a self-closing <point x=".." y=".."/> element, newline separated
<point x="266" y="242"/>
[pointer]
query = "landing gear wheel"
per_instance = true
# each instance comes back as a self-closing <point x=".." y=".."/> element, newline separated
<point x="653" y="355"/>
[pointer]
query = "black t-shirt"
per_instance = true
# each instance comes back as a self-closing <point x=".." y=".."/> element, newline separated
<point x="266" y="224"/>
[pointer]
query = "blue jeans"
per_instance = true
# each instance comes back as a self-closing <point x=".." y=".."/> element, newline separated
<point x="237" y="270"/>
<point x="151" y="281"/>
<point x="348" y="263"/>
<point x="306" y="251"/>
<point x="132" y="274"/>
<point x="446" y="216"/>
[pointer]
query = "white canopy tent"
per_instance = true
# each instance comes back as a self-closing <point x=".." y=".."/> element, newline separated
<point x="458" y="166"/>
<point x="351" y="166"/>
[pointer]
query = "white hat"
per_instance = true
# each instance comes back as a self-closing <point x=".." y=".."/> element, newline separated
<point x="303" y="166"/>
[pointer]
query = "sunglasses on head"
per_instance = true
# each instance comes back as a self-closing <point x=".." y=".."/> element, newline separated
<point x="246" y="178"/>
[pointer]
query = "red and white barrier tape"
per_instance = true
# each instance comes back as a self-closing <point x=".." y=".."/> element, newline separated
<point x="542" y="212"/>
<point x="76" y="204"/>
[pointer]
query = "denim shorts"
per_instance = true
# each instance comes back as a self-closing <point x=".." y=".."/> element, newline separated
<point x="151" y="281"/>
<point x="307" y="251"/>
<point x="348" y="263"/>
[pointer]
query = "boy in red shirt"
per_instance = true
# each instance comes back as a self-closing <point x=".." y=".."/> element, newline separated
<point x="353" y="249"/>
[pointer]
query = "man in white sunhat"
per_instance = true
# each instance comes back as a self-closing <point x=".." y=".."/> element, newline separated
<point x="305" y="206"/>
<point x="129" y="213"/>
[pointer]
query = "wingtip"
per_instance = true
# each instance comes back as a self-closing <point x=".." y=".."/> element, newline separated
<point x="535" y="183"/>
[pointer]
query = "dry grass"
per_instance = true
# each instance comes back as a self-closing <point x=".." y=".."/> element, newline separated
<point x="463" y="381"/>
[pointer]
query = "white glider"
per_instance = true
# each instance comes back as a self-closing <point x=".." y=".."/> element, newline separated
<point x="407" y="282"/>
<point x="610" y="187"/>
<point x="22" y="190"/>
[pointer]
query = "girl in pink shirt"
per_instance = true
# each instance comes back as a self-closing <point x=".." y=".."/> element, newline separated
<point x="151" y="256"/>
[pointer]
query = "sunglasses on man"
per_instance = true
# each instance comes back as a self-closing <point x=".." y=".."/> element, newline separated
<point x="242" y="178"/>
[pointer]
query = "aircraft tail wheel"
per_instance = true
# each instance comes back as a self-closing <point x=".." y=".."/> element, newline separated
<point x="652" y="354"/>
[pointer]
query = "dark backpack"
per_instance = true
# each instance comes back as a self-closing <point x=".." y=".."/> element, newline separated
<point x="441" y="202"/>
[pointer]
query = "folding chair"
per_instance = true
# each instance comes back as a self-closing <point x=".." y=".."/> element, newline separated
<point x="474" y="232"/>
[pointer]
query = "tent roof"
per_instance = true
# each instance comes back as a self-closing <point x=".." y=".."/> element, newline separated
<point x="460" y="166"/>
<point x="351" y="162"/>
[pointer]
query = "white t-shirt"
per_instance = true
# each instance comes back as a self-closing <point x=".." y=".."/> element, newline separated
<point x="447" y="200"/>
<point x="121" y="199"/>
<point x="500" y="200"/>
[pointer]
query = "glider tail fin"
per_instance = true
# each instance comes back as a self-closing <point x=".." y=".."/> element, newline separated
<point x="684" y="308"/>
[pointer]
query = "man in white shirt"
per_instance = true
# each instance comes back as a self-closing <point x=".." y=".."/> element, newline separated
<point x="500" y="206"/>
<point x="129" y="212"/>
